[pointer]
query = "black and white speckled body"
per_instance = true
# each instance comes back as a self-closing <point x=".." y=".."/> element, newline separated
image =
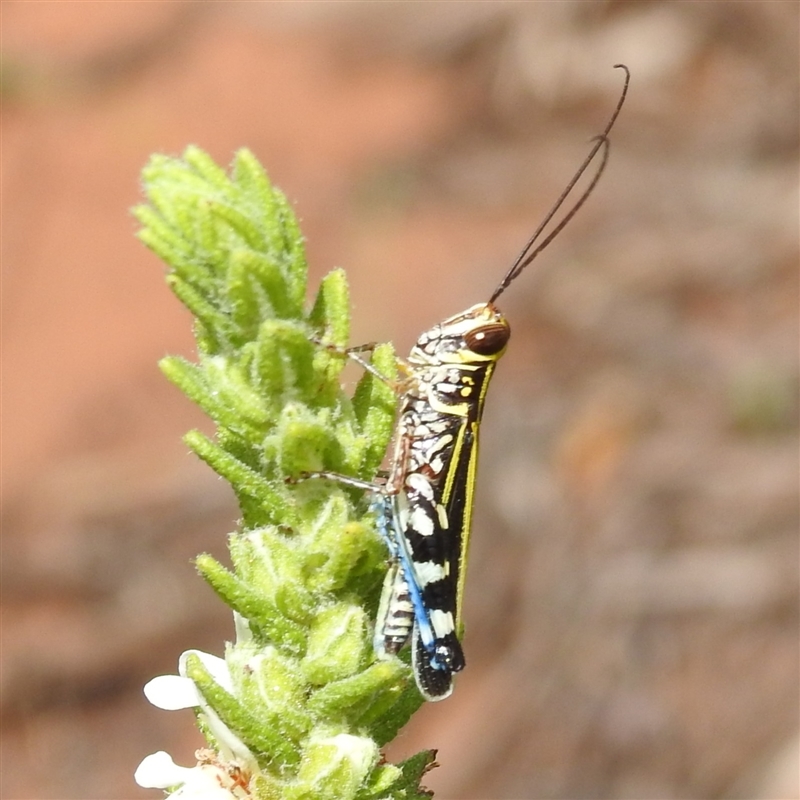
<point x="430" y="488"/>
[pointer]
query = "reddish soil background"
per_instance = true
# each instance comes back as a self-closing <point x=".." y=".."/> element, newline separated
<point x="632" y="603"/>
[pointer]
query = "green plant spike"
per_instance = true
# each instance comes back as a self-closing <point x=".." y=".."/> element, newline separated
<point x="299" y="707"/>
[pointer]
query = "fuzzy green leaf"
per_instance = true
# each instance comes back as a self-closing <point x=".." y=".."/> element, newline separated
<point x="337" y="644"/>
<point x="266" y="736"/>
<point x="304" y="693"/>
<point x="273" y="626"/>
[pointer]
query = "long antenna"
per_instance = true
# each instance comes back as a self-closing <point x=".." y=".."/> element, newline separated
<point x="527" y="255"/>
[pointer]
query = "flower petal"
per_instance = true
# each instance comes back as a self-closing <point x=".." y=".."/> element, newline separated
<point x="172" y="692"/>
<point x="159" y="771"/>
<point x="217" y="667"/>
<point x="242" y="628"/>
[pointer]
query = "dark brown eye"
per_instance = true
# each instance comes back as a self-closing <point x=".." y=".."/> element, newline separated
<point x="488" y="339"/>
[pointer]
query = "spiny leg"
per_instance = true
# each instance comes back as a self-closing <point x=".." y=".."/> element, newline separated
<point x="399" y="387"/>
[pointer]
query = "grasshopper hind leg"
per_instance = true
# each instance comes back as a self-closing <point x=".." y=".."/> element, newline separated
<point x="395" y="614"/>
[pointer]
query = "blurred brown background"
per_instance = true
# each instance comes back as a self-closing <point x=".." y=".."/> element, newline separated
<point x="632" y="601"/>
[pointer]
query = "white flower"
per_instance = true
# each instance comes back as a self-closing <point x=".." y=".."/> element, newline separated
<point x="242" y="628"/>
<point x="206" y="781"/>
<point x="213" y="779"/>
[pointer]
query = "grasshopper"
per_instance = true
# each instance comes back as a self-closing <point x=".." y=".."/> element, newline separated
<point x="424" y="507"/>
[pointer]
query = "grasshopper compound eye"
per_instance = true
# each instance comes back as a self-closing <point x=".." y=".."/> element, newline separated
<point x="488" y="340"/>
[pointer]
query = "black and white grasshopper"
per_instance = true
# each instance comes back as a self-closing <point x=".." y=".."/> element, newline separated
<point x="424" y="508"/>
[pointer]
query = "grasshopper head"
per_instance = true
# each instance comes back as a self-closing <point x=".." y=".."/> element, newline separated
<point x="476" y="336"/>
